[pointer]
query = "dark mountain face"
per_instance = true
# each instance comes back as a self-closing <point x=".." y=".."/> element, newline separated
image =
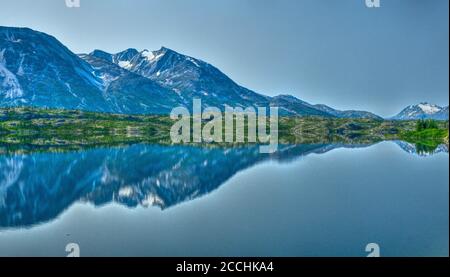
<point x="126" y="92"/>
<point x="35" y="69"/>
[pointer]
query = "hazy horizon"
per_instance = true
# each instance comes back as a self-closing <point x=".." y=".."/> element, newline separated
<point x="341" y="54"/>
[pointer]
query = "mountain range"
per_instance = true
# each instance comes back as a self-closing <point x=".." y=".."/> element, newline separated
<point x="38" y="70"/>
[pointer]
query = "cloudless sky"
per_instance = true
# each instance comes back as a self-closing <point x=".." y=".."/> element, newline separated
<point x="336" y="52"/>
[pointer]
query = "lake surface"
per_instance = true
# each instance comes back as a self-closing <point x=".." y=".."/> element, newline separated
<point x="148" y="200"/>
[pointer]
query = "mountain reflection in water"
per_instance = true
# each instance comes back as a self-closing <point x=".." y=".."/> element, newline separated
<point x="37" y="187"/>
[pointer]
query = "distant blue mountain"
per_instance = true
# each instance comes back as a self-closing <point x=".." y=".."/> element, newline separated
<point x="37" y="70"/>
<point x="348" y="113"/>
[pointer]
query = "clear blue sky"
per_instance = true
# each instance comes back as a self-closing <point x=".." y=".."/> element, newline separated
<point x="337" y="52"/>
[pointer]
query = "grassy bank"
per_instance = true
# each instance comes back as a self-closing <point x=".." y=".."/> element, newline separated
<point x="427" y="135"/>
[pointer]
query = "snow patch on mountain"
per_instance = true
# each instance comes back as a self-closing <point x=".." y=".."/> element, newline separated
<point x="193" y="61"/>
<point x="151" y="56"/>
<point x="428" y="108"/>
<point x="125" y="64"/>
<point x="10" y="85"/>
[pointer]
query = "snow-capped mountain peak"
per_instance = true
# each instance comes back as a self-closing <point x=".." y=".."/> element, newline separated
<point x="423" y="110"/>
<point x="429" y="108"/>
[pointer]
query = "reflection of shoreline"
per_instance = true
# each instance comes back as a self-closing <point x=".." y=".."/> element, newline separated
<point x="26" y="130"/>
<point x="26" y="149"/>
<point x="36" y="188"/>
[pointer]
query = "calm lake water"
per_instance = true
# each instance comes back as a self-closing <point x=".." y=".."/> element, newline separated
<point x="306" y="200"/>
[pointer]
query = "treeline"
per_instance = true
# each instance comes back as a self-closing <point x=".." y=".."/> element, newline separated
<point x="424" y="124"/>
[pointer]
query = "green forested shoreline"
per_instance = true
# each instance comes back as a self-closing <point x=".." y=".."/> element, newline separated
<point x="54" y="130"/>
